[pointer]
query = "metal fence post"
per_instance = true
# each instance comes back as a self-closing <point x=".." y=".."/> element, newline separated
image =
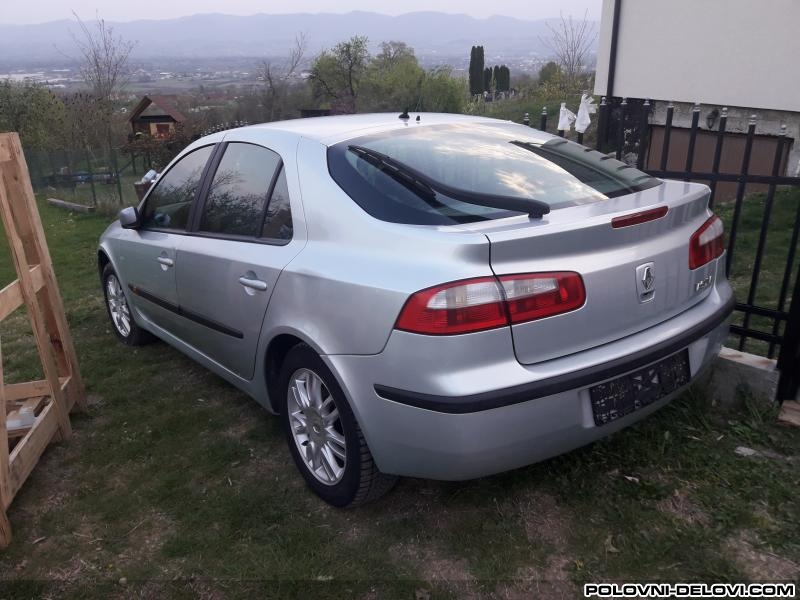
<point x="667" y="135"/>
<point x="692" y="140"/>
<point x="621" y="128"/>
<point x="737" y="209"/>
<point x="723" y="122"/>
<point x="602" y="124"/>
<point x="789" y="358"/>
<point x="91" y="175"/>
<point x="643" y="134"/>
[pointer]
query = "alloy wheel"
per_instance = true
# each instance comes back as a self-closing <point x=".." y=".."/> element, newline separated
<point x="118" y="306"/>
<point x="316" y="427"/>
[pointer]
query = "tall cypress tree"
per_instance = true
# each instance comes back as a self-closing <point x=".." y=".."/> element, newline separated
<point x="487" y="79"/>
<point x="476" y="70"/>
<point x="504" y="79"/>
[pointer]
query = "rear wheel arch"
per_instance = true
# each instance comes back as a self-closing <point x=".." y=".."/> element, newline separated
<point x="102" y="261"/>
<point x="277" y="350"/>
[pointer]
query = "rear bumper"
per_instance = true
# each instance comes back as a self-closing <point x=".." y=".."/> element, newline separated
<point x="487" y="427"/>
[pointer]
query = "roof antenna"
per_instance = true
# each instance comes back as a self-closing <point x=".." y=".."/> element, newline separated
<point x="404" y="115"/>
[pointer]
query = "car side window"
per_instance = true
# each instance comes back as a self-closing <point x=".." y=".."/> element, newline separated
<point x="169" y="203"/>
<point x="238" y="194"/>
<point x="278" y="220"/>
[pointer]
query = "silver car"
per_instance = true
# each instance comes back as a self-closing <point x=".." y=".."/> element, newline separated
<point x="432" y="296"/>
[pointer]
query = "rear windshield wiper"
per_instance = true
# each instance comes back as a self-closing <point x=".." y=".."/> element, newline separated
<point x="427" y="187"/>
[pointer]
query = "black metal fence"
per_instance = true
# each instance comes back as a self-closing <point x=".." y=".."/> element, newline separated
<point x="767" y="313"/>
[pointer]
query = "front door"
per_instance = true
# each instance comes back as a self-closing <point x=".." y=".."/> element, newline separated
<point x="146" y="256"/>
<point x="227" y="268"/>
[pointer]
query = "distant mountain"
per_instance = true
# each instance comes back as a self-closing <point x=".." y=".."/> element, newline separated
<point x="217" y="35"/>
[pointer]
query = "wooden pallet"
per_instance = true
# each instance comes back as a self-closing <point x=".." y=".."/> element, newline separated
<point x="34" y="413"/>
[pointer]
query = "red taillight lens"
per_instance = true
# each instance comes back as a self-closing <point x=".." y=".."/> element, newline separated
<point x="540" y="295"/>
<point x="486" y="303"/>
<point x="707" y="243"/>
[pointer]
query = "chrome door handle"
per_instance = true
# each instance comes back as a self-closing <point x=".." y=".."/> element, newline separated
<point x="253" y="284"/>
<point x="167" y="262"/>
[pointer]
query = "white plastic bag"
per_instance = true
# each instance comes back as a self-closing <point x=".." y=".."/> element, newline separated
<point x="565" y="118"/>
<point x="586" y="108"/>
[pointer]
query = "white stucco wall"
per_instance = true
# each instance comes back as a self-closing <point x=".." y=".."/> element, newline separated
<point x="720" y="52"/>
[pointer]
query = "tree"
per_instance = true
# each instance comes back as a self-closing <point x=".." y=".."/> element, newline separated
<point x="476" y="71"/>
<point x="571" y="42"/>
<point x="505" y="79"/>
<point x="336" y="74"/>
<point x="441" y="92"/>
<point x="393" y="79"/>
<point x="33" y="112"/>
<point x="549" y="73"/>
<point x="488" y="84"/>
<point x="393" y="54"/>
<point x="104" y="59"/>
<point x="277" y="80"/>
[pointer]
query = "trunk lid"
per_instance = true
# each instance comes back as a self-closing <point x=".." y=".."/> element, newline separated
<point x="612" y="263"/>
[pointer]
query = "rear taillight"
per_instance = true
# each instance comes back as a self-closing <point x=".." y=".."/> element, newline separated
<point x="540" y="295"/>
<point x="487" y="302"/>
<point x="707" y="243"/>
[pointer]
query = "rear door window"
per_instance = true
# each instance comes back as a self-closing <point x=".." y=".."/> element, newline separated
<point x="237" y="199"/>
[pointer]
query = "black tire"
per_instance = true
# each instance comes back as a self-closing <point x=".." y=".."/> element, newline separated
<point x="136" y="335"/>
<point x="361" y="481"/>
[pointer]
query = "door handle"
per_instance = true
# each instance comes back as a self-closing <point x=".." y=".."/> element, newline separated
<point x="253" y="284"/>
<point x="167" y="262"/>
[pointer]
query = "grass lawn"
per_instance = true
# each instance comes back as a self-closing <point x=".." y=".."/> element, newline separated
<point x="174" y="482"/>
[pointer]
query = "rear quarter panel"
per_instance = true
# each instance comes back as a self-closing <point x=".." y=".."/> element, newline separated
<point x="344" y="291"/>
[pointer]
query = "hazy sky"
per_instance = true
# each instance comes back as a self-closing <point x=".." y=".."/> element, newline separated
<point x="38" y="11"/>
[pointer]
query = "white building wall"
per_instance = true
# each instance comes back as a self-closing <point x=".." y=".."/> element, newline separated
<point x="717" y="52"/>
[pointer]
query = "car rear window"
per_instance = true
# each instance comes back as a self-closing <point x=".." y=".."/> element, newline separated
<point x="503" y="159"/>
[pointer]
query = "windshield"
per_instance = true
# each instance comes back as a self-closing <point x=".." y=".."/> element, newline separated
<point x="502" y="159"/>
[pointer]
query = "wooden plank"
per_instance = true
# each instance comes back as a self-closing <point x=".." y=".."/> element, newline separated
<point x="28" y="451"/>
<point x="29" y="389"/>
<point x="73" y="206"/>
<point x="790" y="413"/>
<point x="11" y="295"/>
<point x="5" y="476"/>
<point x="30" y="229"/>
<point x="38" y="325"/>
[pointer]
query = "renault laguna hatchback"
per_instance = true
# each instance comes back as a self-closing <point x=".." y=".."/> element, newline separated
<point x="437" y="296"/>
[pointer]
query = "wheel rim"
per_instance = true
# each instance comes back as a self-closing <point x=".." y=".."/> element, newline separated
<point x="118" y="306"/>
<point x="316" y="427"/>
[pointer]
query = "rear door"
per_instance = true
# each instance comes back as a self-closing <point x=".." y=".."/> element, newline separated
<point x="146" y="256"/>
<point x="241" y="239"/>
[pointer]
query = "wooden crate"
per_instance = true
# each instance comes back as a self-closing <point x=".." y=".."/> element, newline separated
<point x="34" y="413"/>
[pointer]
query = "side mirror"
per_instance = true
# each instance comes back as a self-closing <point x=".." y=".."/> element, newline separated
<point x="129" y="218"/>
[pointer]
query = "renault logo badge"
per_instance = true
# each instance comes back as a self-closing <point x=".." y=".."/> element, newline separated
<point x="646" y="281"/>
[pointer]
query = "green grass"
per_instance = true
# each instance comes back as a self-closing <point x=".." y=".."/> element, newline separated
<point x="176" y="484"/>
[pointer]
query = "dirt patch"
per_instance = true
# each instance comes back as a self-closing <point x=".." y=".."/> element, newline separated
<point x="759" y="563"/>
<point x="680" y="506"/>
<point x="431" y="562"/>
<point x="545" y="523"/>
<point x="434" y="567"/>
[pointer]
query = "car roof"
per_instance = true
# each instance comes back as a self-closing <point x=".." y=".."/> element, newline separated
<point x="334" y="129"/>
